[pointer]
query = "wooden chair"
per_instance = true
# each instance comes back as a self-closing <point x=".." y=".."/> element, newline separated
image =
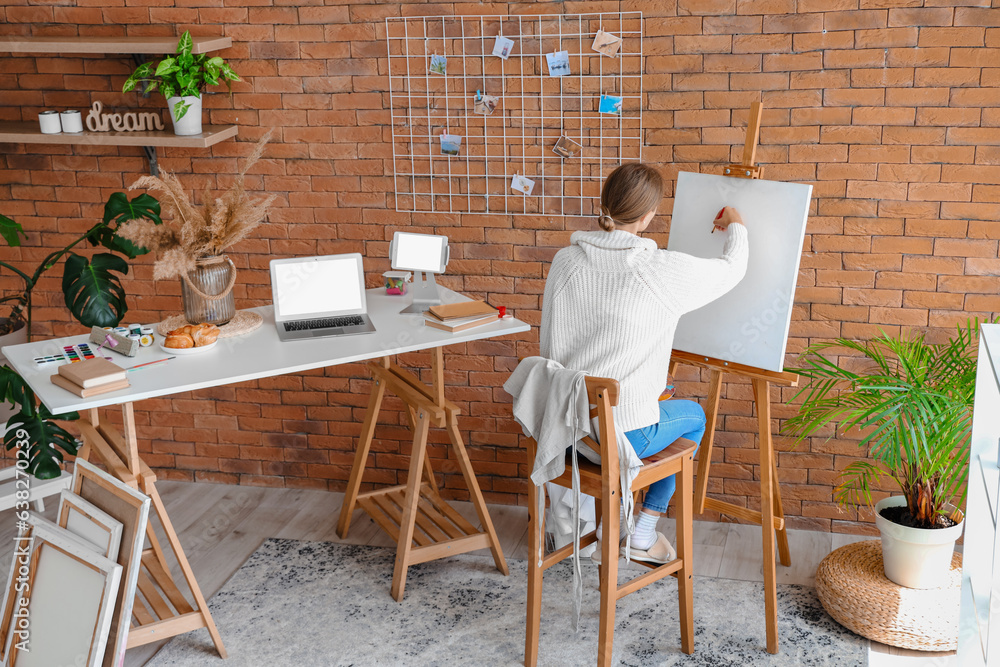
<point x="603" y="482"/>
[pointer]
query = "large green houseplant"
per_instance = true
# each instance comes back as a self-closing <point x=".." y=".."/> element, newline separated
<point x="910" y="403"/>
<point x="94" y="295"/>
<point x="181" y="78"/>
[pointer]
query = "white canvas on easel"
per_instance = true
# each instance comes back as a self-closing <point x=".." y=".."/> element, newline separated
<point x="750" y="324"/>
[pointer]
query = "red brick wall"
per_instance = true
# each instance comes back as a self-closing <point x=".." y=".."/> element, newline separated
<point x="890" y="108"/>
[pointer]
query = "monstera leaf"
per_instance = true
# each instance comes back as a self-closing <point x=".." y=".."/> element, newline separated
<point x="32" y="431"/>
<point x="10" y="230"/>
<point x="117" y="212"/>
<point x="93" y="293"/>
<point x="14" y="390"/>
<point x="40" y="439"/>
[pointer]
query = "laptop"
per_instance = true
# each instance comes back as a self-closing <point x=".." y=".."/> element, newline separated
<point x="318" y="297"/>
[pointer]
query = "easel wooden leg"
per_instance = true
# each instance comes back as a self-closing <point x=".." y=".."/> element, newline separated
<point x="410" y="501"/>
<point x="360" y="457"/>
<point x="783" y="552"/>
<point x="705" y="451"/>
<point x="475" y="494"/>
<point x="536" y="541"/>
<point x="763" y="402"/>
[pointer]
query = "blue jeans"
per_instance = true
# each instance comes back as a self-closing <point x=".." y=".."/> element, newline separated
<point x="678" y="419"/>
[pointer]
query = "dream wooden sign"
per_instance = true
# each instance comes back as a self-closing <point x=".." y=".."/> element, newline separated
<point x="132" y="121"/>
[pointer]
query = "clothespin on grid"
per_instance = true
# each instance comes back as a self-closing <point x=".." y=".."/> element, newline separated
<point x="749" y="168"/>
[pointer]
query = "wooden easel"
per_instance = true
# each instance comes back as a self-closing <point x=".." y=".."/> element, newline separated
<point x="423" y="525"/>
<point x="771" y="516"/>
<point x="162" y="611"/>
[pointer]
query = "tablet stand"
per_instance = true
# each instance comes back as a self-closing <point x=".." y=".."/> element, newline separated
<point x="425" y="292"/>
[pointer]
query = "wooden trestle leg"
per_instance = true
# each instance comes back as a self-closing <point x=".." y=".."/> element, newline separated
<point x="168" y="613"/>
<point x="423" y="525"/>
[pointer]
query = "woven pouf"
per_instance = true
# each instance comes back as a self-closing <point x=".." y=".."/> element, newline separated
<point x="854" y="590"/>
<point x="243" y="323"/>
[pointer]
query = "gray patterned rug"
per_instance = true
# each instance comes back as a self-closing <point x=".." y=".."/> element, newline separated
<point x="317" y="603"/>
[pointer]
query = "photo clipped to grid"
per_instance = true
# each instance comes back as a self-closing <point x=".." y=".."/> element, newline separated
<point x="513" y="114"/>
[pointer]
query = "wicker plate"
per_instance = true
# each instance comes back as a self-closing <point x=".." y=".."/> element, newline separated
<point x="854" y="590"/>
<point x="243" y="323"/>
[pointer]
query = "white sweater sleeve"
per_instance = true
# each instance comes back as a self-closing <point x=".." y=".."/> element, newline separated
<point x="553" y="282"/>
<point x="695" y="281"/>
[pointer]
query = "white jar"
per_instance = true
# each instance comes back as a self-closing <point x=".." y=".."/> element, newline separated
<point x="71" y="121"/>
<point x="48" y="122"/>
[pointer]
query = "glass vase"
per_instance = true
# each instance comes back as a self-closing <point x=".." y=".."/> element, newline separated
<point x="207" y="291"/>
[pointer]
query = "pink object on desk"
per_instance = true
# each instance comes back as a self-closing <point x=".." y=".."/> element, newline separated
<point x="395" y="282"/>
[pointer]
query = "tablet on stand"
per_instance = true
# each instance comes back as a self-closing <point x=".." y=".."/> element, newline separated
<point x="425" y="255"/>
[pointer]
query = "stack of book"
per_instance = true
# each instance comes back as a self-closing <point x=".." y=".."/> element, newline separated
<point x="455" y="317"/>
<point x="91" y="377"/>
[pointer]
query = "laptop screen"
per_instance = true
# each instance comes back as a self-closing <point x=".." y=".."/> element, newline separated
<point x="328" y="285"/>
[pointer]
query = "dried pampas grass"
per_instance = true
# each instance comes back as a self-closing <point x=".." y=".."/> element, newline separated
<point x="218" y="224"/>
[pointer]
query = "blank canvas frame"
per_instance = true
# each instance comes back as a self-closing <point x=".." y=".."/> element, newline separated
<point x="70" y="595"/>
<point x="749" y="325"/>
<point x="92" y="524"/>
<point x="131" y="508"/>
<point x="19" y="563"/>
<point x="533" y="111"/>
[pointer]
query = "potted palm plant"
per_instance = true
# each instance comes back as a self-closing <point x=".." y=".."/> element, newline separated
<point x="94" y="295"/>
<point x="182" y="78"/>
<point x="910" y="401"/>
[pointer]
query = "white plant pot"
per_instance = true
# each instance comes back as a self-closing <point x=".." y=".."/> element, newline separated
<point x="915" y="557"/>
<point x="191" y="122"/>
<point x="15" y="337"/>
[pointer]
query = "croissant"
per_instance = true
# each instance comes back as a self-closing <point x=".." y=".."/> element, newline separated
<point x="205" y="334"/>
<point x="178" y="341"/>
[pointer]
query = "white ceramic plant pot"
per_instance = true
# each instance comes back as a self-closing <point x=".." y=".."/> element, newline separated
<point x="191" y="122"/>
<point x="915" y="557"/>
<point x="15" y="337"/>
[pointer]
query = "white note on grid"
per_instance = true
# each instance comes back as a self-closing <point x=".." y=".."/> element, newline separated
<point x="750" y="324"/>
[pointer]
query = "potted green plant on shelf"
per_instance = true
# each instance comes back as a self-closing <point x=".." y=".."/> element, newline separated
<point x="910" y="401"/>
<point x="94" y="295"/>
<point x="182" y="78"/>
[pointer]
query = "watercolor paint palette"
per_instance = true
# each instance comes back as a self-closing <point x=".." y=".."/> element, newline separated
<point x="71" y="354"/>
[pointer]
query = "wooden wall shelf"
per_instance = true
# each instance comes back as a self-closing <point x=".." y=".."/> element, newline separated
<point x="136" y="47"/>
<point x="28" y="133"/>
<point x="106" y="45"/>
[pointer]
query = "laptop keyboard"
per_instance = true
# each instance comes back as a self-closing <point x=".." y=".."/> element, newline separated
<point x="324" y="323"/>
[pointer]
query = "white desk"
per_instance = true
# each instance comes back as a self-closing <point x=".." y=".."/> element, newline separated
<point x="424" y="526"/>
<point x="257" y="355"/>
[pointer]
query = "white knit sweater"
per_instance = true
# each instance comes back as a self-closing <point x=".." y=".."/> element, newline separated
<point x="611" y="305"/>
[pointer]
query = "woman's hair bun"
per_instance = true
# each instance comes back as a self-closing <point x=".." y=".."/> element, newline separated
<point x="605" y="220"/>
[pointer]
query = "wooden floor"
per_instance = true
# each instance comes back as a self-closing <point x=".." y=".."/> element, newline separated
<point x="221" y="525"/>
